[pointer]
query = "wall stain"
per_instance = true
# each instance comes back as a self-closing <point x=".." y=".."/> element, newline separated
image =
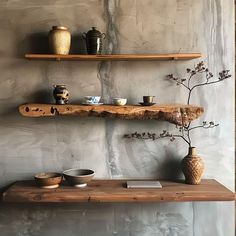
<point x="219" y="32"/>
<point x="107" y="80"/>
<point x="111" y="46"/>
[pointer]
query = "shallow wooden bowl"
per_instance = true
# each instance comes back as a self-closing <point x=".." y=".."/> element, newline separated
<point x="48" y="180"/>
<point x="78" y="177"/>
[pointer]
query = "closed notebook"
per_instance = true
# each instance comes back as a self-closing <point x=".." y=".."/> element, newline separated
<point x="143" y="184"/>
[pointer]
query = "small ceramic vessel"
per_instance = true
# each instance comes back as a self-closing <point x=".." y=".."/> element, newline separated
<point x="119" y="101"/>
<point x="48" y="180"/>
<point x="94" y="41"/>
<point x="61" y="94"/>
<point x="92" y="99"/>
<point x="148" y="99"/>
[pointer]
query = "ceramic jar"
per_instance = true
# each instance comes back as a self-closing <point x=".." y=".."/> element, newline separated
<point x="94" y="41"/>
<point x="61" y="94"/>
<point x="192" y="166"/>
<point x="59" y="40"/>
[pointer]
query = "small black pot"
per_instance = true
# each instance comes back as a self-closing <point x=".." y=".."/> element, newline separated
<point x="94" y="41"/>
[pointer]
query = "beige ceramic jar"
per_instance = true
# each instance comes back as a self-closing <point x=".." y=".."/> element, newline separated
<point x="59" y="40"/>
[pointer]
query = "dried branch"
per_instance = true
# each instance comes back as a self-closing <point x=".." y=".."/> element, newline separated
<point x="185" y="130"/>
<point x="184" y="133"/>
<point x="198" y="69"/>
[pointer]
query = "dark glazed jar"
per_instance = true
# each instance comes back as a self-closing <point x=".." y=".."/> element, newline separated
<point x="61" y="94"/>
<point x="94" y="42"/>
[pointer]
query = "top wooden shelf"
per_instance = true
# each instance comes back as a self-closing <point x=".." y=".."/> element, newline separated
<point x="115" y="57"/>
<point x="116" y="191"/>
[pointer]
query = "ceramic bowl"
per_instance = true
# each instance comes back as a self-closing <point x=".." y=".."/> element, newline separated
<point x="92" y="99"/>
<point x="119" y="101"/>
<point x="78" y="177"/>
<point x="48" y="180"/>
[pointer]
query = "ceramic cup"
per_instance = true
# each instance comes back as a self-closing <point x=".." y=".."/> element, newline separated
<point x="92" y="99"/>
<point x="119" y="101"/>
<point x="148" y="99"/>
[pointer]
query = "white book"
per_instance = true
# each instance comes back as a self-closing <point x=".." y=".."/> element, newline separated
<point x="143" y="184"/>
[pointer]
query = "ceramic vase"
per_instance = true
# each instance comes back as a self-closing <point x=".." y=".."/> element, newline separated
<point x="61" y="94"/>
<point x="192" y="166"/>
<point x="94" y="41"/>
<point x="59" y="40"/>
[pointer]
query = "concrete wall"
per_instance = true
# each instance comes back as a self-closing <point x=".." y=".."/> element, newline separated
<point x="30" y="145"/>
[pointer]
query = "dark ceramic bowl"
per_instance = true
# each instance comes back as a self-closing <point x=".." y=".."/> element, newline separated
<point x="48" y="180"/>
<point x="78" y="177"/>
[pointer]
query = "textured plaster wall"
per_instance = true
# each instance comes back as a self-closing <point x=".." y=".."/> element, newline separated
<point x="30" y="145"/>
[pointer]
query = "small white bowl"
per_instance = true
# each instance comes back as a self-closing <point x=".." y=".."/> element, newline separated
<point x="119" y="101"/>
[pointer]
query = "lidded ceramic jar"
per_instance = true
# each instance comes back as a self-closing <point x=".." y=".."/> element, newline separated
<point x="94" y="41"/>
<point x="59" y="40"/>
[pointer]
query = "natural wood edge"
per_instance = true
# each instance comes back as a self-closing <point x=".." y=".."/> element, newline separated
<point x="174" y="113"/>
<point x="115" y="57"/>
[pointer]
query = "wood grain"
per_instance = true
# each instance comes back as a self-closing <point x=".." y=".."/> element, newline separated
<point x="116" y="191"/>
<point x="117" y="57"/>
<point x="173" y="113"/>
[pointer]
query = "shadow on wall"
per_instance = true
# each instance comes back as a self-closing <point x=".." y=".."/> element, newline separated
<point x="34" y="43"/>
<point x="170" y="170"/>
<point x="41" y="96"/>
<point x="38" y="43"/>
<point x="78" y="44"/>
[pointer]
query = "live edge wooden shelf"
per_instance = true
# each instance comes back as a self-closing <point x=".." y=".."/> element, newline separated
<point x="116" y="191"/>
<point x="173" y="113"/>
<point x="114" y="57"/>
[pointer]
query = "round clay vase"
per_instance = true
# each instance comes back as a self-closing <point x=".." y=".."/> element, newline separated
<point x="61" y="94"/>
<point x="192" y="167"/>
<point x="94" y="41"/>
<point x="59" y="40"/>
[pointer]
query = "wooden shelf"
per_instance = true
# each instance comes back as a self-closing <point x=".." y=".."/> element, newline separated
<point x="116" y="191"/>
<point x="173" y="113"/>
<point x="117" y="57"/>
